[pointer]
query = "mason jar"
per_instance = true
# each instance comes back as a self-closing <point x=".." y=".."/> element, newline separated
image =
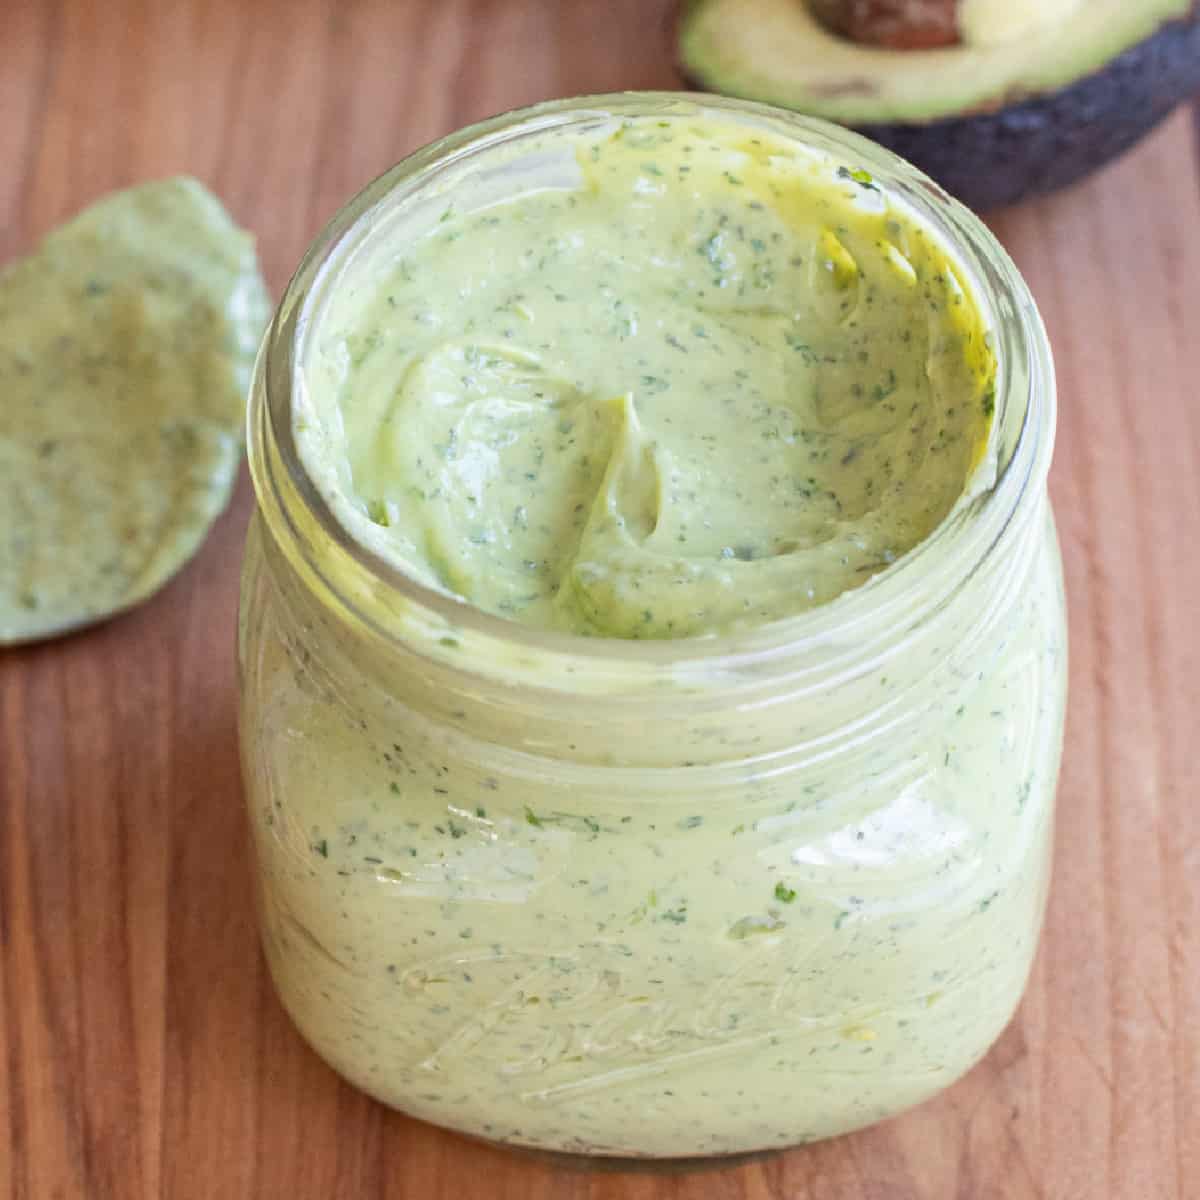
<point x="662" y="898"/>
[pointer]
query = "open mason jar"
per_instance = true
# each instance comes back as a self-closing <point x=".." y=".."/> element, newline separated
<point x="652" y="899"/>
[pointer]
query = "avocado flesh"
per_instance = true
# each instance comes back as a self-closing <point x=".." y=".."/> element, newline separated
<point x="777" y="51"/>
<point x="993" y="22"/>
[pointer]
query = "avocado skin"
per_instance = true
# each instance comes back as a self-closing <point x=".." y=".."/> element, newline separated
<point x="1028" y="148"/>
<point x="1036" y="145"/>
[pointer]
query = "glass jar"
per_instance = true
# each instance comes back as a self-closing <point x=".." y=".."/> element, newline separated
<point x="651" y="899"/>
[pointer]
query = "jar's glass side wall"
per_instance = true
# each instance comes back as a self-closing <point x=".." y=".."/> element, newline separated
<point x="706" y="964"/>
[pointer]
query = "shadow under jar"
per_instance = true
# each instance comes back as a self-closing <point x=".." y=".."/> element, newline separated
<point x="661" y="899"/>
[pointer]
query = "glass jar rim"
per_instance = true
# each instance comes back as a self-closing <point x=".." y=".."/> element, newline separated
<point x="1025" y="402"/>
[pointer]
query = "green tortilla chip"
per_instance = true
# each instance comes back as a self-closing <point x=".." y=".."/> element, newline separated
<point x="126" y="344"/>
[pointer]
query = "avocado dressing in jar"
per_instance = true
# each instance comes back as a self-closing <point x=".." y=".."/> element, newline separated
<point x="652" y="642"/>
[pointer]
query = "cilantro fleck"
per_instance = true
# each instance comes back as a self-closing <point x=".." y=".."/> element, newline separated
<point x="882" y="391"/>
<point x="860" y="176"/>
<point x="784" y="894"/>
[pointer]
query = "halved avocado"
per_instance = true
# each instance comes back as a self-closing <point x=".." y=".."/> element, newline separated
<point x="1035" y="94"/>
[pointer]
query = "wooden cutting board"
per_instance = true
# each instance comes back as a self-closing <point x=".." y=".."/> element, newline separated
<point x="142" y="1052"/>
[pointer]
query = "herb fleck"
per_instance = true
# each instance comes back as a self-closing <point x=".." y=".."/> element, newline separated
<point x="860" y="176"/>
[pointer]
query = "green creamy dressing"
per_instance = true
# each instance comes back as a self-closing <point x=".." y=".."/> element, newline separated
<point x="692" y="380"/>
<point x="126" y="343"/>
<point x="715" y="382"/>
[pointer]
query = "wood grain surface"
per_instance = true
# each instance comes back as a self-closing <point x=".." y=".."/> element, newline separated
<point x="142" y="1052"/>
